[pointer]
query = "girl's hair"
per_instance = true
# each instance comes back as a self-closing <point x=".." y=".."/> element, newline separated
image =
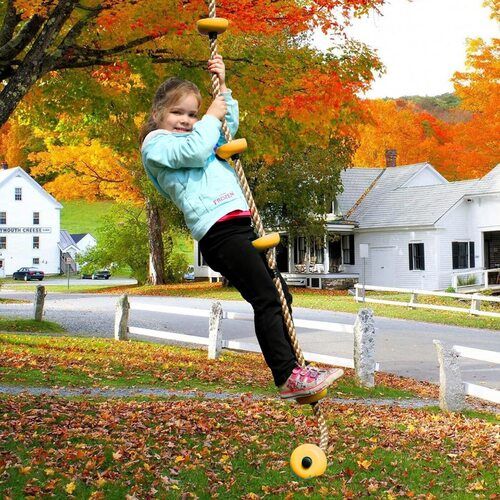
<point x="167" y="95"/>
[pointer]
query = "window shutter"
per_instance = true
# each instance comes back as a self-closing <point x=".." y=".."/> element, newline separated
<point x="351" y="249"/>
<point x="472" y="257"/>
<point x="422" y="256"/>
<point x="454" y="250"/>
<point x="410" y="254"/>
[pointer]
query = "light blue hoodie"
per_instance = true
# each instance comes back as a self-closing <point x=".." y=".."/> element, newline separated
<point x="184" y="168"/>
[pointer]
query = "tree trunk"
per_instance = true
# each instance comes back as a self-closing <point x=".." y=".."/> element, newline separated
<point x="156" y="250"/>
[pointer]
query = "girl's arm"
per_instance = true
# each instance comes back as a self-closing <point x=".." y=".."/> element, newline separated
<point x="182" y="151"/>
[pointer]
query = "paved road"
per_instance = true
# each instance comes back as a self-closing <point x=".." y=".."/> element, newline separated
<point x="402" y="347"/>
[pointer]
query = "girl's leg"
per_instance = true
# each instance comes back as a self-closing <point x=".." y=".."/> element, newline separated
<point x="228" y="249"/>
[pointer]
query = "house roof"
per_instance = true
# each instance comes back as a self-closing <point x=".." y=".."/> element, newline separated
<point x="65" y="240"/>
<point x="390" y="204"/>
<point x="6" y="175"/>
<point x="77" y="237"/>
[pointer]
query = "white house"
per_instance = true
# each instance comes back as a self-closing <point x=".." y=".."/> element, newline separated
<point x="29" y="224"/>
<point x="417" y="227"/>
<point x="72" y="245"/>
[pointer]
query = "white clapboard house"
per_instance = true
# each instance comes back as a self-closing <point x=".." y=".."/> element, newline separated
<point x="29" y="224"/>
<point x="414" y="227"/>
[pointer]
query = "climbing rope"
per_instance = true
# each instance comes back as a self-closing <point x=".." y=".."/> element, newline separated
<point x="259" y="229"/>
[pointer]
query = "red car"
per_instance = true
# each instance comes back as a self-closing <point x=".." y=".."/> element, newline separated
<point x="28" y="274"/>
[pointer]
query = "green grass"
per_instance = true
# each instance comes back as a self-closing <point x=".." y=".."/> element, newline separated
<point x="29" y="325"/>
<point x="80" y="216"/>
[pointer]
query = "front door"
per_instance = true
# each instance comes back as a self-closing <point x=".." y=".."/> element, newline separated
<point x="2" y="268"/>
<point x="383" y="268"/>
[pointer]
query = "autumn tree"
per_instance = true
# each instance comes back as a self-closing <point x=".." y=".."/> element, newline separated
<point x="94" y="84"/>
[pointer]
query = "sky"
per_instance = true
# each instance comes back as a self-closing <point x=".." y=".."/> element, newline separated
<point x="421" y="43"/>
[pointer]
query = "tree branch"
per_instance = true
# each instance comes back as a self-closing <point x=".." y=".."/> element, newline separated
<point x="26" y="34"/>
<point x="10" y="21"/>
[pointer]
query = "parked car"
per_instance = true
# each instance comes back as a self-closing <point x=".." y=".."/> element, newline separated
<point x="28" y="274"/>
<point x="97" y="275"/>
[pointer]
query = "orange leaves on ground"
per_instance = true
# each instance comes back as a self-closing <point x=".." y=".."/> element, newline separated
<point x="89" y="171"/>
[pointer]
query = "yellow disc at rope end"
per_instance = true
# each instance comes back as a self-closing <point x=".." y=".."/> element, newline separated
<point x="308" y="460"/>
<point x="212" y="25"/>
<point x="266" y="242"/>
<point x="313" y="398"/>
<point x="232" y="148"/>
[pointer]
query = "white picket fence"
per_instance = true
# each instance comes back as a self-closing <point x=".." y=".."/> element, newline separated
<point x="363" y="332"/>
<point x="475" y="299"/>
<point x="481" y="278"/>
<point x="452" y="389"/>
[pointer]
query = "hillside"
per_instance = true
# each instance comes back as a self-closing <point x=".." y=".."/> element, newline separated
<point x="79" y="216"/>
<point x="444" y="106"/>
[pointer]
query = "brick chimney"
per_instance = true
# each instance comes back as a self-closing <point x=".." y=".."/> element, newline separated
<point x="390" y="157"/>
<point x="5" y="165"/>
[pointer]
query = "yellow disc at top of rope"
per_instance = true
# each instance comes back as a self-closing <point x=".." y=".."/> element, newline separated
<point x="212" y="25"/>
<point x="266" y="242"/>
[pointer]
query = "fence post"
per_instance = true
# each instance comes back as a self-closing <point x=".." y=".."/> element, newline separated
<point x="356" y="296"/>
<point x="413" y="300"/>
<point x="475" y="303"/>
<point x="39" y="302"/>
<point x="486" y="279"/>
<point x="121" y="318"/>
<point x="214" y="333"/>
<point x="451" y="388"/>
<point x="364" y="348"/>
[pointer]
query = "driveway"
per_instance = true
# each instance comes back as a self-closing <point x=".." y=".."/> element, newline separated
<point x="402" y="347"/>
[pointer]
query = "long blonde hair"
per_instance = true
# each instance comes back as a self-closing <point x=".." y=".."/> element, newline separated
<point x="166" y="96"/>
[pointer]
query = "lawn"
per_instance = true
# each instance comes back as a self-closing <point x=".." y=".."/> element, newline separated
<point x="204" y="448"/>
<point x="80" y="216"/>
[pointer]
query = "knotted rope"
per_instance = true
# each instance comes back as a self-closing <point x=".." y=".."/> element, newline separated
<point x="259" y="229"/>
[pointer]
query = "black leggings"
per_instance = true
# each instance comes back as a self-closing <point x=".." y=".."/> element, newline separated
<point x="227" y="249"/>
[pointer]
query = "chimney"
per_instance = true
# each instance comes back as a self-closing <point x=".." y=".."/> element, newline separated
<point x="5" y="165"/>
<point x="390" y="157"/>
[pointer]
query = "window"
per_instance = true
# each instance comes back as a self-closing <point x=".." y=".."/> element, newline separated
<point x="18" y="194"/>
<point x="317" y="251"/>
<point x="416" y="255"/>
<point x="463" y="254"/>
<point x="299" y="250"/>
<point x="3" y="217"/>
<point x="36" y="241"/>
<point x="36" y="261"/>
<point x="348" y="249"/>
<point x="36" y="218"/>
<point x="3" y="242"/>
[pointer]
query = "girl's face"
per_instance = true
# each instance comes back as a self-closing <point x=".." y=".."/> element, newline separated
<point x="181" y="116"/>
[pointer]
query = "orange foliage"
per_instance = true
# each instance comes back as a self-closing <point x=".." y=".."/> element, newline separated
<point x="91" y="171"/>
<point x="400" y="125"/>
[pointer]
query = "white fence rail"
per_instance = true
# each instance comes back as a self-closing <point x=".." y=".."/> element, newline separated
<point x="363" y="332"/>
<point x="481" y="278"/>
<point x="452" y="390"/>
<point x="475" y="299"/>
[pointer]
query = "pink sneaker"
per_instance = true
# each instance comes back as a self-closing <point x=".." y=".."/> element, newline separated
<point x="308" y="380"/>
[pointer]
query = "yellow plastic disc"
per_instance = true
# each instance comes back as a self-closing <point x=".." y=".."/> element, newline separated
<point x="313" y="398"/>
<point x="212" y="25"/>
<point x="308" y="460"/>
<point x="232" y="148"/>
<point x="265" y="242"/>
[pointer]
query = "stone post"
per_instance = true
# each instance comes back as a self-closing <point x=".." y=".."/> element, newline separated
<point x="214" y="333"/>
<point x="39" y="302"/>
<point x="451" y="388"/>
<point x="121" y="318"/>
<point x="364" y="348"/>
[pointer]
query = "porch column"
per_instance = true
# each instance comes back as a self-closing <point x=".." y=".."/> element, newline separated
<point x="327" y="254"/>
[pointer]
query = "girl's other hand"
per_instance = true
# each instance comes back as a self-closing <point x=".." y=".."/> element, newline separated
<point x="218" y="108"/>
<point x="217" y="66"/>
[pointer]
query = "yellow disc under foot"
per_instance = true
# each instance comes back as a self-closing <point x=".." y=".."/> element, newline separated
<point x="266" y="242"/>
<point x="313" y="398"/>
<point x="232" y="148"/>
<point x="308" y="460"/>
<point x="212" y="25"/>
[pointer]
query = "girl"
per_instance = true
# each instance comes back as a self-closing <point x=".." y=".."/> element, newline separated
<point x="178" y="152"/>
